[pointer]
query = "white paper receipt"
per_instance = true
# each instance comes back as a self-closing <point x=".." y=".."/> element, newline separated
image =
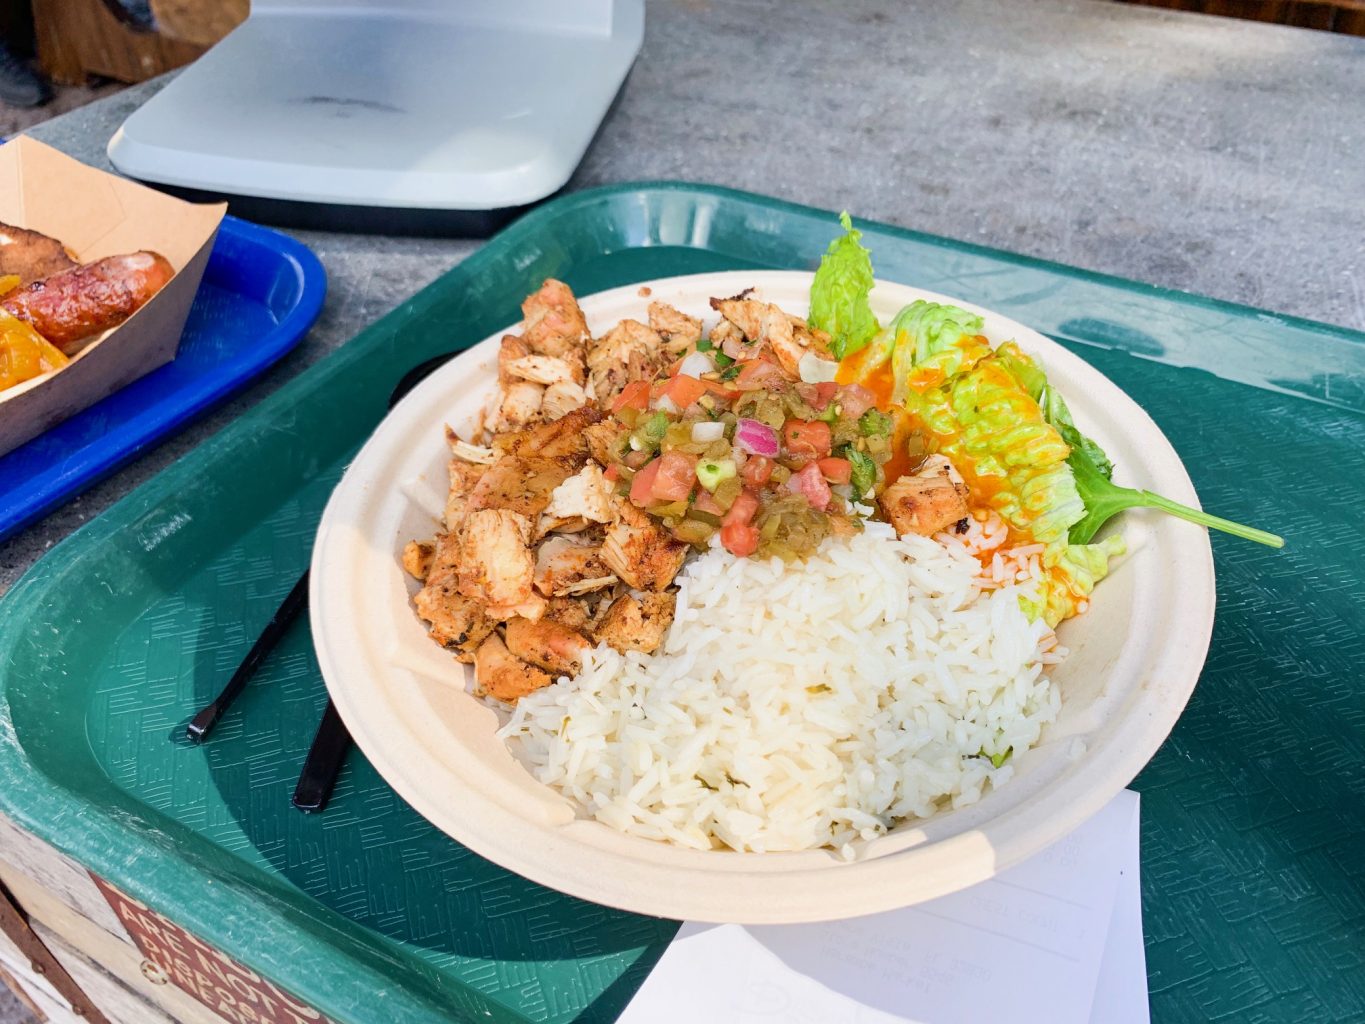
<point x="1036" y="939"/>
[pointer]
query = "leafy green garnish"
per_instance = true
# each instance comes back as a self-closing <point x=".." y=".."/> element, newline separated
<point x="704" y="345"/>
<point x="995" y="434"/>
<point x="1055" y="412"/>
<point x="1028" y="373"/>
<point x="933" y="342"/>
<point x="656" y="427"/>
<point x="864" y="473"/>
<point x="730" y="372"/>
<point x="722" y="360"/>
<point x="1104" y="499"/>
<point x="998" y="759"/>
<point x="994" y="415"/>
<point x="839" y="302"/>
<point x="874" y="423"/>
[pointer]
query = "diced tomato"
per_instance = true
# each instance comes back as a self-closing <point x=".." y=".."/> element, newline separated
<point x="758" y="374"/>
<point x="743" y="509"/>
<point x="740" y="539"/>
<point x="810" y="484"/>
<point x="854" y="400"/>
<point x="634" y="395"/>
<point x="677" y="474"/>
<point x="836" y="471"/>
<point x="684" y="390"/>
<point x="612" y="474"/>
<point x="817" y="396"/>
<point x="720" y="390"/>
<point x="807" y="437"/>
<point x="757" y="470"/>
<point x="642" y="486"/>
<point x="706" y="502"/>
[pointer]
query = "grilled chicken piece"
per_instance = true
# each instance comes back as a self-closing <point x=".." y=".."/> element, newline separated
<point x="554" y="324"/>
<point x="743" y="311"/>
<point x="456" y="622"/>
<point x="730" y="340"/>
<point x="638" y="549"/>
<point x="522" y="484"/>
<point x="586" y="494"/>
<point x="464" y="477"/>
<point x="561" y="399"/>
<point x="31" y="255"/>
<point x="571" y="613"/>
<point x="519" y="406"/>
<point x="500" y="674"/>
<point x="566" y="567"/>
<point x="629" y="351"/>
<point x="510" y="350"/>
<point x="496" y="567"/>
<point x="547" y="644"/>
<point x="601" y="439"/>
<point x="788" y="337"/>
<point x="543" y="369"/>
<point x="467" y="452"/>
<point x="547" y="524"/>
<point x="417" y="558"/>
<point x="929" y="501"/>
<point x="561" y="438"/>
<point x="637" y="624"/>
<point x="678" y="330"/>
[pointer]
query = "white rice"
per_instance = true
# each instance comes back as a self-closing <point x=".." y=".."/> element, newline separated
<point x="806" y="705"/>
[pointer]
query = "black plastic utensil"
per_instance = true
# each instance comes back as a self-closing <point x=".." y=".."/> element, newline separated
<point x="332" y="741"/>
<point x="323" y="763"/>
<point x="202" y="724"/>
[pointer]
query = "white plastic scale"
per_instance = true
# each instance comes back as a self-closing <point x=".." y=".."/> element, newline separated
<point x="405" y="115"/>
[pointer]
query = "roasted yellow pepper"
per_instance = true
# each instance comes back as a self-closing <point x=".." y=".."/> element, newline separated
<point x="24" y="353"/>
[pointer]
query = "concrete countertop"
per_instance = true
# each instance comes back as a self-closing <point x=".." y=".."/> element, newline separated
<point x="1212" y="155"/>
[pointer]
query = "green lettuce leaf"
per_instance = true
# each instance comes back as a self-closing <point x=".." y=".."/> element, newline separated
<point x="932" y="343"/>
<point x="994" y="431"/>
<point x="839" y="301"/>
<point x="1072" y="572"/>
<point x="996" y="436"/>
<point x="1055" y="410"/>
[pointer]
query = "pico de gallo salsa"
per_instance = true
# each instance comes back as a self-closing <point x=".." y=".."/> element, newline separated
<point x="771" y="463"/>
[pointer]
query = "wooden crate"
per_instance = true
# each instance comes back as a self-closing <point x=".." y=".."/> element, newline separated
<point x="77" y="925"/>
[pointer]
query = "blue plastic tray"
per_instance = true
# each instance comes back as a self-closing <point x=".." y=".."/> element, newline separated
<point x="260" y="293"/>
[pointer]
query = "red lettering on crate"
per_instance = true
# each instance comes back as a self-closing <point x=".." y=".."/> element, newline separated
<point x="233" y="991"/>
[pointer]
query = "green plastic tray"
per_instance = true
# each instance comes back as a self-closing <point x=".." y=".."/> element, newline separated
<point x="1253" y="812"/>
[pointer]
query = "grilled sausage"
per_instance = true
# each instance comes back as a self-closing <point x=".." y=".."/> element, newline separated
<point x="74" y="304"/>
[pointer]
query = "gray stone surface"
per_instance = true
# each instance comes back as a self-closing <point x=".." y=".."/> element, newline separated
<point x="1212" y="155"/>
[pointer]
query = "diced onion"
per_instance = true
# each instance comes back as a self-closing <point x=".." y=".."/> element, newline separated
<point x="706" y="431"/>
<point x="666" y="404"/>
<point x="815" y="370"/>
<point x="757" y="438"/>
<point x="696" y="364"/>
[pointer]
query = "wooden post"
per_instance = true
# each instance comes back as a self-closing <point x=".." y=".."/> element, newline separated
<point x="14" y="924"/>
